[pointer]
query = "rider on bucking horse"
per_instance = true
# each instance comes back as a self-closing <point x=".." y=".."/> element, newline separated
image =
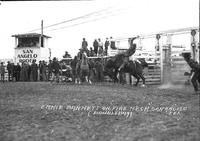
<point x="128" y="53"/>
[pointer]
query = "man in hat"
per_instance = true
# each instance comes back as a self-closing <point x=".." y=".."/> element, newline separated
<point x="84" y="46"/>
<point x="49" y="69"/>
<point x="127" y="54"/>
<point x="106" y="45"/>
<point x="34" y="71"/>
<point x="2" y="72"/>
<point x="18" y="70"/>
<point x="10" y="71"/>
<point x="55" y="70"/>
<point x="95" y="45"/>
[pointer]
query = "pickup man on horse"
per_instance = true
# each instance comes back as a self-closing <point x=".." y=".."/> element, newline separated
<point x="195" y="70"/>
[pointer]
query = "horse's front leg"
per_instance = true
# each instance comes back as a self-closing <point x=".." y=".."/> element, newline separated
<point x="137" y="77"/>
<point x="138" y="80"/>
<point x="142" y="77"/>
<point x="87" y="79"/>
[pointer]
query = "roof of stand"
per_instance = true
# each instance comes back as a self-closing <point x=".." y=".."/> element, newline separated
<point x="30" y="35"/>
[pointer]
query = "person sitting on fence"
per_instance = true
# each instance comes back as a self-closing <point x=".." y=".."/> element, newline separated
<point x="91" y="52"/>
<point x="112" y="43"/>
<point x="2" y="72"/>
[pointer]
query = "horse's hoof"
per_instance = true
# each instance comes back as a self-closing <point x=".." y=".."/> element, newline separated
<point x="143" y="86"/>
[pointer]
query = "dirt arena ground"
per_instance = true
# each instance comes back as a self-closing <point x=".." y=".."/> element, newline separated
<point x="100" y="112"/>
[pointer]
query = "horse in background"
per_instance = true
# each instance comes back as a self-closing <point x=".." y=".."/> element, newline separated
<point x="82" y="69"/>
<point x="195" y="70"/>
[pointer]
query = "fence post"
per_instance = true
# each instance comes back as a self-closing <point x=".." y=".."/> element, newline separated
<point x="167" y="60"/>
<point x="194" y="45"/>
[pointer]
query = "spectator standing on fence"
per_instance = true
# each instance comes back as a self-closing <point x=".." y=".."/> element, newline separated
<point x="2" y="72"/>
<point x="106" y="45"/>
<point x="34" y="71"/>
<point x="84" y="46"/>
<point x="95" y="45"/>
<point x="100" y="47"/>
<point x="10" y="71"/>
<point x="18" y="70"/>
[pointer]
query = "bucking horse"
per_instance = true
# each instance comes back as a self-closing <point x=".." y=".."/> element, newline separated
<point x="119" y="64"/>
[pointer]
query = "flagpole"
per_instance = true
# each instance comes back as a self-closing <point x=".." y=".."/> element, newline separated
<point x="42" y="42"/>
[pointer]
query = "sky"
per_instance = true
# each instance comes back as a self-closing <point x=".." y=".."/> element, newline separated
<point x="116" y="18"/>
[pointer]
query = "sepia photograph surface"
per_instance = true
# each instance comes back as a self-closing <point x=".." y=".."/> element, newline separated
<point x="99" y="70"/>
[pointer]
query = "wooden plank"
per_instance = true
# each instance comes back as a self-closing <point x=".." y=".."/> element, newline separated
<point x="153" y="72"/>
<point x="147" y="77"/>
<point x="149" y="80"/>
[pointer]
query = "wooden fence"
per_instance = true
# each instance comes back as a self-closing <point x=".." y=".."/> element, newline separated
<point x="171" y="71"/>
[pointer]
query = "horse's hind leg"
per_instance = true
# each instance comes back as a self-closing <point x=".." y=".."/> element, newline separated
<point x="137" y="77"/>
<point x="142" y="77"/>
<point x="87" y="79"/>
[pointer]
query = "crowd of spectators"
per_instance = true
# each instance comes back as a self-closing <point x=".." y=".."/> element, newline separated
<point x="46" y="71"/>
<point x="99" y="48"/>
<point x="26" y="72"/>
